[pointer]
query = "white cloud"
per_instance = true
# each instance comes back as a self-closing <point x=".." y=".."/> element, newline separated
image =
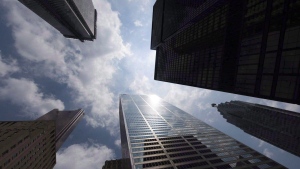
<point x="140" y="85"/>
<point x="209" y="117"/>
<point x="79" y="156"/>
<point x="8" y="66"/>
<point x="184" y="97"/>
<point x="203" y="106"/>
<point x="86" y="68"/>
<point x="118" y="143"/>
<point x="34" y="39"/>
<point x="143" y="5"/>
<point x="26" y="94"/>
<point x="138" y="23"/>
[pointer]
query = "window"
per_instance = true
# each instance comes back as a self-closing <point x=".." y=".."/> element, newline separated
<point x="223" y="154"/>
<point x="176" y="145"/>
<point x="204" y="151"/>
<point x="183" y="154"/>
<point x="6" y="162"/>
<point x="216" y="161"/>
<point x="143" y="159"/>
<point x="228" y="159"/>
<point x="180" y="149"/>
<point x="156" y="164"/>
<point x="187" y="159"/>
<point x="152" y="147"/>
<point x="255" y="160"/>
<point x="225" y="166"/>
<point x="191" y="165"/>
<point x="246" y="155"/>
<point x="5" y="152"/>
<point x="263" y="166"/>
<point x="175" y="141"/>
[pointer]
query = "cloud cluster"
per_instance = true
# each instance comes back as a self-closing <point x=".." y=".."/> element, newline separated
<point x="86" y="68"/>
<point x="8" y="66"/>
<point x="89" y="71"/>
<point x="79" y="156"/>
<point x="143" y="5"/>
<point x="118" y="143"/>
<point x="184" y="97"/>
<point x="138" y="23"/>
<point x="141" y="85"/>
<point x="25" y="93"/>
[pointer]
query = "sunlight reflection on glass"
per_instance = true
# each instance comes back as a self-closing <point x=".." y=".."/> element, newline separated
<point x="154" y="100"/>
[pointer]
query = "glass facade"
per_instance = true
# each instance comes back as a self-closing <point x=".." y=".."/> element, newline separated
<point x="246" y="47"/>
<point x="156" y="134"/>
<point x="275" y="126"/>
<point x="73" y="18"/>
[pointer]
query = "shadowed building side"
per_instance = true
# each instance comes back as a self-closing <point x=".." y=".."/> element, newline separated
<point x="117" y="164"/>
<point x="250" y="47"/>
<point x="33" y="144"/>
<point x="27" y="144"/>
<point x="73" y="18"/>
<point x="275" y="126"/>
<point x="65" y="122"/>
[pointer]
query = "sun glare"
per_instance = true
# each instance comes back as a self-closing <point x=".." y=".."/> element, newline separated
<point x="154" y="100"/>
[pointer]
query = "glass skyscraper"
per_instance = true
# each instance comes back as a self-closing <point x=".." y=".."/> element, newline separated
<point x="73" y="18"/>
<point x="156" y="134"/>
<point x="247" y="47"/>
<point x="275" y="126"/>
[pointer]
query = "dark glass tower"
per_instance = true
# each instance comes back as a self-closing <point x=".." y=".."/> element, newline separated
<point x="73" y="18"/>
<point x="275" y="126"/>
<point x="244" y="47"/>
<point x="115" y="164"/>
<point x="156" y="134"/>
<point x="33" y="144"/>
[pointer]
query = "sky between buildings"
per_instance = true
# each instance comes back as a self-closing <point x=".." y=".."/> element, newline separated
<point x="41" y="70"/>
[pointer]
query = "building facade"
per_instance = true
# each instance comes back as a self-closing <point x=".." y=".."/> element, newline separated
<point x="73" y="18"/>
<point x="27" y="144"/>
<point x="33" y="144"/>
<point x="275" y="126"/>
<point x="116" y="164"/>
<point x="156" y="134"/>
<point x="65" y="122"/>
<point x="244" y="47"/>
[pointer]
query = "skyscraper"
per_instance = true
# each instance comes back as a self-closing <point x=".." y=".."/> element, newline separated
<point x="65" y="122"/>
<point x="157" y="134"/>
<point x="73" y="18"/>
<point x="275" y="126"/>
<point x="33" y="144"/>
<point x="243" y="47"/>
<point x="115" y="164"/>
<point x="27" y="144"/>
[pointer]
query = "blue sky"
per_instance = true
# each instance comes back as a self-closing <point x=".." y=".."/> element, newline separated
<point x="41" y="70"/>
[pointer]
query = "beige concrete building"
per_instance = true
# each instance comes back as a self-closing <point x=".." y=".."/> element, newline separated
<point x="33" y="144"/>
<point x="29" y="144"/>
